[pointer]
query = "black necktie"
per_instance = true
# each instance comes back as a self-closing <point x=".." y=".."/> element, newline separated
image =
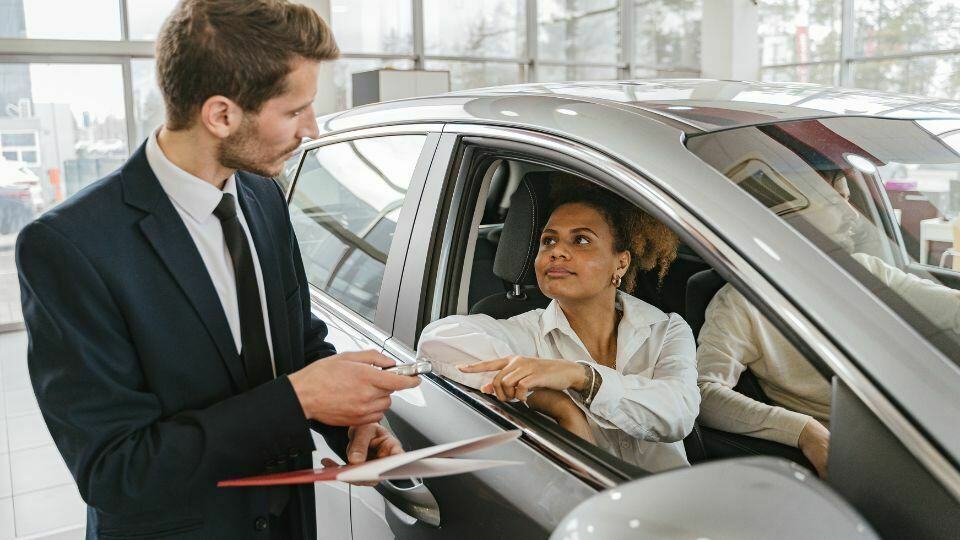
<point x="253" y="338"/>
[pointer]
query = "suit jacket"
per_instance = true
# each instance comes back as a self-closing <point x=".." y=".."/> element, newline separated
<point x="136" y="371"/>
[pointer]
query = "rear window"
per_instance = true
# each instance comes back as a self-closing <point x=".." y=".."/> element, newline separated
<point x="879" y="196"/>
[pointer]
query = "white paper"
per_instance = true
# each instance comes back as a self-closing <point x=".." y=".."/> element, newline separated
<point x="432" y="461"/>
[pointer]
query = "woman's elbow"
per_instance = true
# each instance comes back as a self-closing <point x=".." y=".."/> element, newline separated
<point x="687" y="413"/>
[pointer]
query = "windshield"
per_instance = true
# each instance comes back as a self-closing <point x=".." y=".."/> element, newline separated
<point x="880" y="196"/>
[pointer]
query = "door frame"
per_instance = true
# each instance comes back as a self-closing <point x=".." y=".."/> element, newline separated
<point x="379" y="329"/>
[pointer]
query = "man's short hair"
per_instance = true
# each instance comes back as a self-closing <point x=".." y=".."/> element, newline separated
<point x="240" y="49"/>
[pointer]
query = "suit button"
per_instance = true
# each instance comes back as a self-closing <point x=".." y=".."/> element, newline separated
<point x="260" y="524"/>
<point x="294" y="453"/>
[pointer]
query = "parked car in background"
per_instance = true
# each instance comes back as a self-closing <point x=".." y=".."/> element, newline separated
<point x="14" y="174"/>
<point x="400" y="208"/>
<point x="21" y="196"/>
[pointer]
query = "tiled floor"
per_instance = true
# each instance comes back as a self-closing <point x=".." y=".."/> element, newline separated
<point x="38" y="498"/>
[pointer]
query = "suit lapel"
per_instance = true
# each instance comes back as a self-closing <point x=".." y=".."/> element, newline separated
<point x="261" y="230"/>
<point x="167" y="234"/>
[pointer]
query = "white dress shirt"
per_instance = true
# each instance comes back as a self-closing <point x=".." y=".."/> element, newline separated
<point x="736" y="336"/>
<point x="644" y="408"/>
<point x="195" y="200"/>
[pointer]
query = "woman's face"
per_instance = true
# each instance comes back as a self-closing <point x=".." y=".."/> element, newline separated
<point x="577" y="259"/>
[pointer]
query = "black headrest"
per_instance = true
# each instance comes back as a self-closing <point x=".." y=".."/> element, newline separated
<point x="520" y="239"/>
<point x="701" y="288"/>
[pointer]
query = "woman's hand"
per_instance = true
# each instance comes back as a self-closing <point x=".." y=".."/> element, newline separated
<point x="814" y="442"/>
<point x="560" y="407"/>
<point x="517" y="375"/>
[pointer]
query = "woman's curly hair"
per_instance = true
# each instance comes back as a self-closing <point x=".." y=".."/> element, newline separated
<point x="650" y="243"/>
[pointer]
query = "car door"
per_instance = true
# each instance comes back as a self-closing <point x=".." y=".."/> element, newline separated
<point x="351" y="206"/>
<point x="524" y="501"/>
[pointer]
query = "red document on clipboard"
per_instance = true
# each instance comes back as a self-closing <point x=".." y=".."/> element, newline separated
<point x="430" y="462"/>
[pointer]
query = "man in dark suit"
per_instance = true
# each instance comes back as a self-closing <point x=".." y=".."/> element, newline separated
<point x="171" y="339"/>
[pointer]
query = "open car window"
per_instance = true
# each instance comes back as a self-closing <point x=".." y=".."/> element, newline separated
<point x="838" y="181"/>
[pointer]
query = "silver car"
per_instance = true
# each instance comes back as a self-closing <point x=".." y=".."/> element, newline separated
<point x="400" y="209"/>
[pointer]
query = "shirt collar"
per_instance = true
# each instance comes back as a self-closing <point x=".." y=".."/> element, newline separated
<point x="637" y="315"/>
<point x="194" y="195"/>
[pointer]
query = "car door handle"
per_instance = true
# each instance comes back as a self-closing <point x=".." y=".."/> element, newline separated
<point x="413" y="498"/>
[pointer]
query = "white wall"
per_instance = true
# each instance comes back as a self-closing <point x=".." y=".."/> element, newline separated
<point x="729" y="46"/>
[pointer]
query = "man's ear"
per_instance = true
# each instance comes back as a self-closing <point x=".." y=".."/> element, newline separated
<point x="221" y="116"/>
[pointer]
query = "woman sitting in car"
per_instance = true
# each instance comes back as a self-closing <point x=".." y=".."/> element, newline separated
<point x="607" y="366"/>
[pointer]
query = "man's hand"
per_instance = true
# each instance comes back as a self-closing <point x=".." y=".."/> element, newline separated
<point x="519" y="374"/>
<point x="347" y="389"/>
<point x="370" y="441"/>
<point x="814" y="442"/>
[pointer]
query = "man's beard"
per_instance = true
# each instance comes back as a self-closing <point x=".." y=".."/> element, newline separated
<point x="243" y="152"/>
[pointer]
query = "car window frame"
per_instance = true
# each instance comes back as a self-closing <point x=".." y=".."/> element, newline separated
<point x="818" y="346"/>
<point x="380" y="327"/>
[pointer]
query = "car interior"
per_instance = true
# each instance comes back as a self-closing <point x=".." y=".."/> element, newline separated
<point x="498" y="280"/>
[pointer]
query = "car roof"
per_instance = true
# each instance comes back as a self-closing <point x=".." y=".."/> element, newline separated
<point x="690" y="105"/>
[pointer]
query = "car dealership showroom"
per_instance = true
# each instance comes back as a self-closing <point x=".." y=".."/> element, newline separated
<point x="421" y="269"/>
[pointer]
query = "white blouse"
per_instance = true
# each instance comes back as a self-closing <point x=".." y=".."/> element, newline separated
<point x="644" y="408"/>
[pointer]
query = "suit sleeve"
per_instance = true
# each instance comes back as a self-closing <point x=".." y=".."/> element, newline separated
<point x="110" y="428"/>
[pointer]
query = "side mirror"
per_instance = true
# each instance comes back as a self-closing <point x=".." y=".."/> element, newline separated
<point x="755" y="497"/>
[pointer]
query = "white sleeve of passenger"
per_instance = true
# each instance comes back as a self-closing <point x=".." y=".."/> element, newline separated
<point x="727" y="346"/>
<point x="936" y="302"/>
<point x="464" y="339"/>
<point x="661" y="408"/>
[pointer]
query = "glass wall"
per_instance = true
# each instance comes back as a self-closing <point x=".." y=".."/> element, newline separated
<point x="666" y="38"/>
<point x="62" y="126"/>
<point x="910" y="46"/>
<point x="67" y="119"/>
<point x="491" y="29"/>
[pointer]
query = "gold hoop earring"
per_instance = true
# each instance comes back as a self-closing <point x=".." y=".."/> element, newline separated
<point x="616" y="281"/>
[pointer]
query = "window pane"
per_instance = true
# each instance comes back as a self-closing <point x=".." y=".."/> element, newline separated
<point x="18" y="139"/>
<point x="55" y="138"/>
<point x="148" y="108"/>
<point x="668" y="33"/>
<point x="373" y="26"/>
<point x="876" y="195"/>
<point x="898" y="26"/>
<point x="345" y="210"/>
<point x="578" y="30"/>
<point x="146" y="17"/>
<point x="464" y="75"/>
<point x="343" y="71"/>
<point x="467" y="28"/>
<point x="818" y="73"/>
<point x="575" y="73"/>
<point x="930" y="76"/>
<point x="796" y="31"/>
<point x="60" y="19"/>
<point x="665" y="73"/>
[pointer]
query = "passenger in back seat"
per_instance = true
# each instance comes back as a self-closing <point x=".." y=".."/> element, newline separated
<point x="606" y="365"/>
